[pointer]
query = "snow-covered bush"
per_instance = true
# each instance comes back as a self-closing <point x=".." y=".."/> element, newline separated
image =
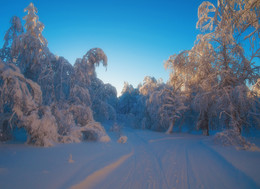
<point x="232" y="137"/>
<point x="41" y="127"/>
<point x="70" y="160"/>
<point x="122" y="139"/>
<point x="94" y="131"/>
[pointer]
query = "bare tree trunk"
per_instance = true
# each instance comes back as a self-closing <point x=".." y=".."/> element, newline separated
<point x="235" y="122"/>
<point x="206" y="123"/>
<point x="203" y="123"/>
<point x="169" y="131"/>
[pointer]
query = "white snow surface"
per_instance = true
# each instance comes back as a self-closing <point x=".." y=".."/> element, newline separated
<point x="148" y="160"/>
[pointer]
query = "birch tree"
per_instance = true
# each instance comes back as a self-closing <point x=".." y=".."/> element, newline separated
<point x="230" y="27"/>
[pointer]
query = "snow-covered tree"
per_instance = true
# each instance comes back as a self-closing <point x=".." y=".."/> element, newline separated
<point x="184" y="84"/>
<point x="44" y="94"/>
<point x="229" y="27"/>
<point x="150" y="91"/>
<point x="215" y="72"/>
<point x="32" y="24"/>
<point x="127" y="98"/>
<point x="104" y="100"/>
<point x="127" y="88"/>
<point x="173" y="105"/>
<point x="11" y="35"/>
<point x="204" y="84"/>
<point x="145" y="107"/>
<point x="21" y="106"/>
<point x="86" y="84"/>
<point x="131" y="106"/>
<point x="155" y="120"/>
<point x="29" y="49"/>
<point x="148" y="86"/>
<point x="256" y="88"/>
<point x="85" y="67"/>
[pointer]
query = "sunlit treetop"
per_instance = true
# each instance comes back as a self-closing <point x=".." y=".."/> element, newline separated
<point x="32" y="23"/>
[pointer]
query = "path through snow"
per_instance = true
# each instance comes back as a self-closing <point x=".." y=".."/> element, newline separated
<point x="148" y="160"/>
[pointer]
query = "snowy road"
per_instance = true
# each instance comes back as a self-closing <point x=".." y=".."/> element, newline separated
<point x="147" y="160"/>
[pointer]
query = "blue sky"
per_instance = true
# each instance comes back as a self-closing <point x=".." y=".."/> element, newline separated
<point x="136" y="35"/>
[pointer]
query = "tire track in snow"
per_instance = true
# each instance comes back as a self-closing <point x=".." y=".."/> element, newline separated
<point x="141" y="158"/>
<point x="130" y="173"/>
<point x="151" y="153"/>
<point x="187" y="168"/>
<point x="163" y="139"/>
<point x="100" y="174"/>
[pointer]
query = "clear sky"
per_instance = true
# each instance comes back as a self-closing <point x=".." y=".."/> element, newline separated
<point x="136" y="35"/>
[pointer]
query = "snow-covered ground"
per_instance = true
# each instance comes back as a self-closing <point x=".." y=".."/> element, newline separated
<point x="147" y="160"/>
